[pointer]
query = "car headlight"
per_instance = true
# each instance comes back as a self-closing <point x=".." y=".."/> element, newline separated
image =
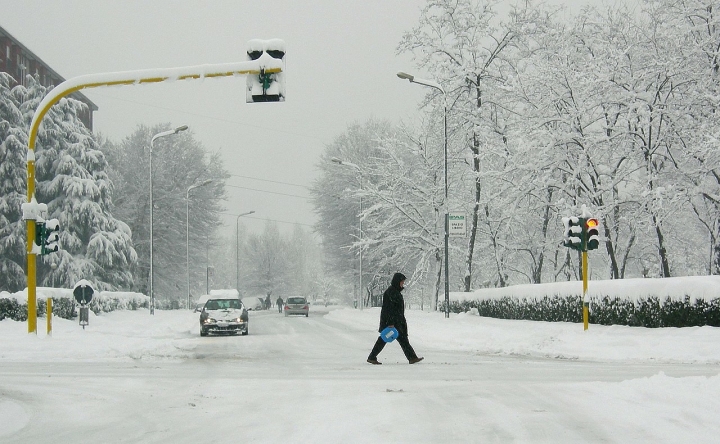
<point x="210" y="321"/>
<point x="239" y="320"/>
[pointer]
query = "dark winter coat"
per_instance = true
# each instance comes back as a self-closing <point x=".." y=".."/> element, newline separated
<point x="393" y="307"/>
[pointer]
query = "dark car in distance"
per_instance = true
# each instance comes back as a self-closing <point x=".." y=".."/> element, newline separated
<point x="223" y="316"/>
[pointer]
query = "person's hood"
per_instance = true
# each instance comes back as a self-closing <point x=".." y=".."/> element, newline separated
<point x="396" y="280"/>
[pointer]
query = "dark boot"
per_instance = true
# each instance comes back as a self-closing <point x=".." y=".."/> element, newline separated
<point x="379" y="345"/>
<point x="407" y="348"/>
<point x="415" y="360"/>
<point x="374" y="361"/>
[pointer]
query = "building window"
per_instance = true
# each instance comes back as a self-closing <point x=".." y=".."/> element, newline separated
<point x="22" y="69"/>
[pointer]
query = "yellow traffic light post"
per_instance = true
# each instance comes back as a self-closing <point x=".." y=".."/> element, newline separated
<point x="590" y="242"/>
<point x="586" y="302"/>
<point x="581" y="234"/>
<point x="263" y="65"/>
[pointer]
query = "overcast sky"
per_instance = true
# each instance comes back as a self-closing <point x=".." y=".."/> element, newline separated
<point x="341" y="65"/>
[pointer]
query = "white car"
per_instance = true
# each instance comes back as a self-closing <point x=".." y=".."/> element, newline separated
<point x="223" y="316"/>
<point x="253" y="303"/>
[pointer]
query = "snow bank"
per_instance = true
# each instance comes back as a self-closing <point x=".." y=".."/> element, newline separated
<point x="696" y="287"/>
<point x="43" y="293"/>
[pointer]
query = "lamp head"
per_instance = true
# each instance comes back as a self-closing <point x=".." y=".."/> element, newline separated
<point x="181" y="128"/>
<point x="336" y="160"/>
<point x="406" y="76"/>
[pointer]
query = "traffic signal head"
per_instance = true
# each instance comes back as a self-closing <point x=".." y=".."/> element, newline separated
<point x="50" y="244"/>
<point x="573" y="232"/>
<point x="40" y="233"/>
<point x="592" y="239"/>
<point x="266" y="86"/>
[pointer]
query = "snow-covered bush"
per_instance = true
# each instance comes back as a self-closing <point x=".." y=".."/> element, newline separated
<point x="644" y="312"/>
<point x="14" y="306"/>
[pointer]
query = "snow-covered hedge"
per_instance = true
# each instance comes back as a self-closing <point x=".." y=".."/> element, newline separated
<point x="670" y="302"/>
<point x="14" y="306"/>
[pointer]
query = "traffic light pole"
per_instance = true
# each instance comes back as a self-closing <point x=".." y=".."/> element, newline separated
<point x="586" y="311"/>
<point x="254" y="67"/>
<point x="581" y="234"/>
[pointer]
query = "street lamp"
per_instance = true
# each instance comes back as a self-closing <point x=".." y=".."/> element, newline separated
<point x="350" y="164"/>
<point x="431" y="84"/>
<point x="152" y="144"/>
<point x="237" y="249"/>
<point x="187" y="233"/>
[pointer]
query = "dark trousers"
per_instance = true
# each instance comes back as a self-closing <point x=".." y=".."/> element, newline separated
<point x="404" y="344"/>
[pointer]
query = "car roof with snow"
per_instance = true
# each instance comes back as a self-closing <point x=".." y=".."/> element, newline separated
<point x="223" y="294"/>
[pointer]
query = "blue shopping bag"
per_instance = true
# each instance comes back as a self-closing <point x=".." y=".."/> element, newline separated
<point x="389" y="334"/>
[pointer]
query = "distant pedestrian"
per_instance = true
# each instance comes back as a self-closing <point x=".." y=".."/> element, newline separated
<point x="393" y="315"/>
<point x="267" y="302"/>
<point x="279" y="303"/>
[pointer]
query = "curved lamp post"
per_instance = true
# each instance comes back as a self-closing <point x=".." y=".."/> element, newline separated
<point x="152" y="144"/>
<point x="435" y="85"/>
<point x="352" y="165"/>
<point x="265" y="63"/>
<point x="187" y="234"/>
<point x="237" y="248"/>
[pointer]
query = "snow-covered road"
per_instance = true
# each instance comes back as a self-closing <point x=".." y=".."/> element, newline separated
<point x="304" y="380"/>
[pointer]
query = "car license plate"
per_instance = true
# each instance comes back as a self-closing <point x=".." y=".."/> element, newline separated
<point x="222" y="324"/>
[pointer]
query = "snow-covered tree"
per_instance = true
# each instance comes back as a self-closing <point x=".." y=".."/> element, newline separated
<point x="13" y="149"/>
<point x="179" y="162"/>
<point x="268" y="262"/>
<point x="613" y="109"/>
<point x="304" y="263"/>
<point x="473" y="51"/>
<point x="72" y="181"/>
<point x="398" y="176"/>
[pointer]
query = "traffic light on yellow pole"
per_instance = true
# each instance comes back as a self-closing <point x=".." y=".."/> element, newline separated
<point x="590" y="241"/>
<point x="266" y="65"/>
<point x="581" y="233"/>
<point x="266" y="86"/>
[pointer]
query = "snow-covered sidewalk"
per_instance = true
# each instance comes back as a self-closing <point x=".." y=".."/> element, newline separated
<point x="466" y="332"/>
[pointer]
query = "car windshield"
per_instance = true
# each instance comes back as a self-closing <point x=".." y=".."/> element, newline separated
<point x="296" y="300"/>
<point x="222" y="304"/>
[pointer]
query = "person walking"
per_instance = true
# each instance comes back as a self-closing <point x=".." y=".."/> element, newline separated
<point x="393" y="315"/>
<point x="279" y="303"/>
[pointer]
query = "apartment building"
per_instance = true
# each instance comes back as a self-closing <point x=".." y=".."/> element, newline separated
<point x="19" y="61"/>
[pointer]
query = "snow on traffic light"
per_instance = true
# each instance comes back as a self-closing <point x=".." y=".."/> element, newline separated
<point x="50" y="244"/>
<point x="573" y="233"/>
<point x="266" y="86"/>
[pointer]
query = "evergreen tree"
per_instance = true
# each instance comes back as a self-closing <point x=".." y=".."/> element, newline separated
<point x="72" y="181"/>
<point x="13" y="147"/>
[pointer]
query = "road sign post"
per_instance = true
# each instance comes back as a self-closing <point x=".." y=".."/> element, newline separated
<point x="83" y="293"/>
<point x="458" y="224"/>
